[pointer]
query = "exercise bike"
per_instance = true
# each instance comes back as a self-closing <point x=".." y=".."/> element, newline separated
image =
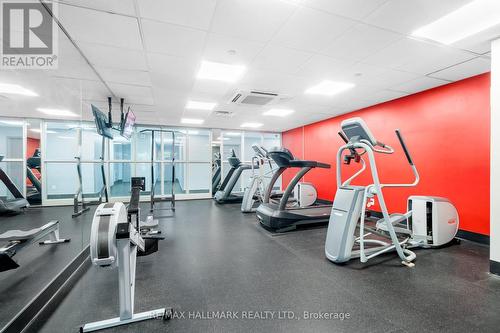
<point x="115" y="242"/>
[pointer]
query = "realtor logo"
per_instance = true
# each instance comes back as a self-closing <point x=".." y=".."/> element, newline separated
<point x="29" y="35"/>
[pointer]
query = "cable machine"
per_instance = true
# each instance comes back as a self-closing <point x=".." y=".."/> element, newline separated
<point x="153" y="198"/>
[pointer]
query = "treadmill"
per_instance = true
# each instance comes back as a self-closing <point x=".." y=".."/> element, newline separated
<point x="18" y="203"/>
<point x="225" y="193"/>
<point x="277" y="216"/>
<point x="216" y="173"/>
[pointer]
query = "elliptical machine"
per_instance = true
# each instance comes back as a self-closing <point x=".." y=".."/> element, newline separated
<point x="115" y="242"/>
<point x="429" y="221"/>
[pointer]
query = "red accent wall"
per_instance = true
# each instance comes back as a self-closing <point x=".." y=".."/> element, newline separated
<point x="447" y="130"/>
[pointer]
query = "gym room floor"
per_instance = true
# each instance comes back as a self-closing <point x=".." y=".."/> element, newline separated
<point x="215" y="258"/>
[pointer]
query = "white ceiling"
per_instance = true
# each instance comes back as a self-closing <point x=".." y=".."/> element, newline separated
<point x="149" y="51"/>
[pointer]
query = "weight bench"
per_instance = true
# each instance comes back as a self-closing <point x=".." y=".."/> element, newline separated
<point x="18" y="239"/>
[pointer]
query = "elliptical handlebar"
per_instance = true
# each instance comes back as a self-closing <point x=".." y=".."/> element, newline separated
<point x="410" y="161"/>
<point x="403" y="144"/>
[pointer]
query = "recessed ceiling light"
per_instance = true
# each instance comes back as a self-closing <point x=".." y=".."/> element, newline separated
<point x="57" y="112"/>
<point x="195" y="105"/>
<point x="11" y="122"/>
<point x="466" y="21"/>
<point x="194" y="132"/>
<point x="220" y="72"/>
<point x="192" y="121"/>
<point x="329" y="88"/>
<point x="251" y="125"/>
<point x="15" y="89"/>
<point x="37" y="130"/>
<point x="278" y="112"/>
<point x="232" y="133"/>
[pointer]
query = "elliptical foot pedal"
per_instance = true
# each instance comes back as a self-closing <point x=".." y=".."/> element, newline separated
<point x="408" y="264"/>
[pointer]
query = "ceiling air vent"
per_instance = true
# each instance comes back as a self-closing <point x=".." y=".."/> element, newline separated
<point x="224" y="114"/>
<point x="255" y="98"/>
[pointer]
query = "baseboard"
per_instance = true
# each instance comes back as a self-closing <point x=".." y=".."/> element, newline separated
<point x="468" y="235"/>
<point x="50" y="296"/>
<point x="495" y="267"/>
<point x="324" y="202"/>
<point x="474" y="237"/>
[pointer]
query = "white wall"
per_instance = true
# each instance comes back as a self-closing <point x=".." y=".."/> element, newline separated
<point x="495" y="154"/>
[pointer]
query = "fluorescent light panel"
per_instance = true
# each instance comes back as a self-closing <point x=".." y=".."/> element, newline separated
<point x="232" y="134"/>
<point x="329" y="88"/>
<point x="278" y="112"/>
<point x="220" y="72"/>
<point x="15" y="89"/>
<point x="11" y="122"/>
<point x="192" y="121"/>
<point x="195" y="105"/>
<point x="251" y="125"/>
<point x="57" y="112"/>
<point x="466" y="21"/>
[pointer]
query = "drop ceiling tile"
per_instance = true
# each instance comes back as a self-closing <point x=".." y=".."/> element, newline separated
<point x="172" y="39"/>
<point x="390" y="77"/>
<point x="169" y="100"/>
<point x="347" y="97"/>
<point x="88" y="25"/>
<point x="114" y="6"/>
<point x="360" y="73"/>
<point x="406" y="16"/>
<point x="281" y="59"/>
<point x="420" y="84"/>
<point x="191" y="13"/>
<point x="385" y="95"/>
<point x="133" y="94"/>
<point x="256" y="20"/>
<point x="310" y="30"/>
<point x="356" y="9"/>
<point x="94" y="91"/>
<point x="114" y="57"/>
<point x="272" y="82"/>
<point x="219" y="48"/>
<point x="417" y="56"/>
<point x="132" y="77"/>
<point x="321" y="67"/>
<point x="73" y="68"/>
<point x="360" y="42"/>
<point x="172" y="73"/>
<point x="213" y="88"/>
<point x="464" y="70"/>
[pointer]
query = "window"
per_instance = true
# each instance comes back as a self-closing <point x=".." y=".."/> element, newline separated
<point x="62" y="142"/>
<point x="251" y="139"/>
<point x="11" y="139"/>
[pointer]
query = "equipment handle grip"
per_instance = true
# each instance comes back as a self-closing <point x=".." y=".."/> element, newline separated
<point x="402" y="142"/>
<point x="342" y="135"/>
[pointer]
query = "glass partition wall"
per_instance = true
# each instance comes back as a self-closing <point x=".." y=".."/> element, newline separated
<point x="190" y="150"/>
<point x="241" y="143"/>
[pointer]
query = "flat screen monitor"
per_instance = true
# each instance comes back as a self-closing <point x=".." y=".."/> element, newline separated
<point x="101" y="123"/>
<point x="127" y="128"/>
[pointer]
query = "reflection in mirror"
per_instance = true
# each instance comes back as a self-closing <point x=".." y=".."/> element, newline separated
<point x="33" y="162"/>
<point x="216" y="161"/>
